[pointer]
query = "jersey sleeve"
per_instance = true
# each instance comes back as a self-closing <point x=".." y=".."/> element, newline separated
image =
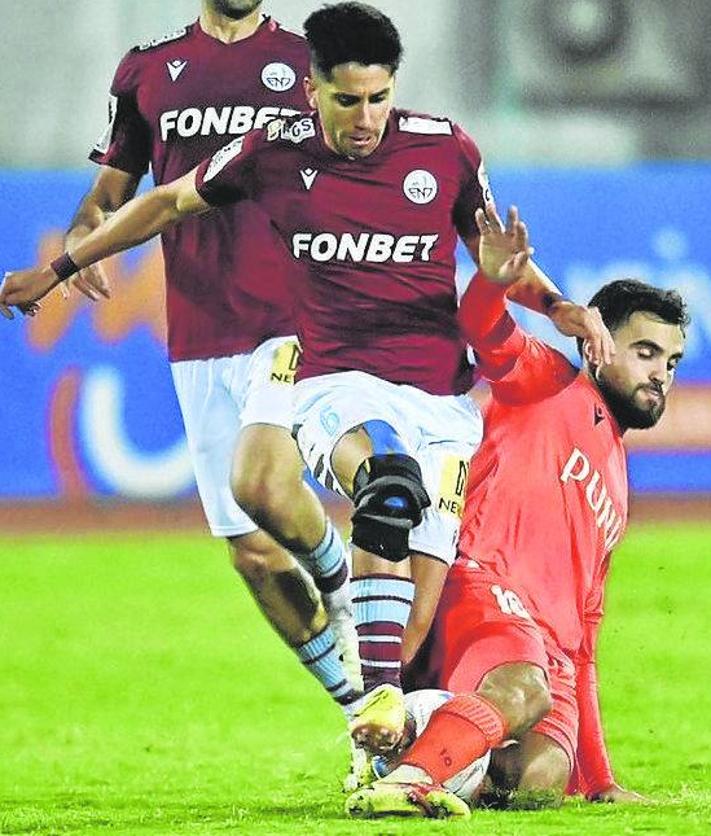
<point x="228" y="175"/>
<point x="126" y="142"/>
<point x="519" y="367"/>
<point x="474" y="188"/>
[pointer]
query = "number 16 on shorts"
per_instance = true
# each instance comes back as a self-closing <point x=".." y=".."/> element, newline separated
<point x="509" y="602"/>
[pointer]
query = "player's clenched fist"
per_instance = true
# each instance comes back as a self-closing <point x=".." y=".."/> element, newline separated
<point x="503" y="251"/>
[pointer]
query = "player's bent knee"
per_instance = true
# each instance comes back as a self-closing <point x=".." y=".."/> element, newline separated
<point x="521" y="692"/>
<point x="260" y="491"/>
<point x="389" y="498"/>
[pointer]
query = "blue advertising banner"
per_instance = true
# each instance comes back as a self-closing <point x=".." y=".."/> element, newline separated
<point x="87" y="404"/>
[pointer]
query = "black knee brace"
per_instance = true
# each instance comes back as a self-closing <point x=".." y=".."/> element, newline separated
<point x="389" y="499"/>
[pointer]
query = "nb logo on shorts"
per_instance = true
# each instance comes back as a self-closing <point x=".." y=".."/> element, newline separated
<point x="453" y="486"/>
<point x="330" y="420"/>
<point x="285" y="363"/>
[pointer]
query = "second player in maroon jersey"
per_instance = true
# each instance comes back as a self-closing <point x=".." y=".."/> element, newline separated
<point x="175" y="100"/>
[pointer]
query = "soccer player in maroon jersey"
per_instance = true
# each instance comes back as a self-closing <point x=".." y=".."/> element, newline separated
<point x="174" y="101"/>
<point x="517" y="624"/>
<point x="370" y="201"/>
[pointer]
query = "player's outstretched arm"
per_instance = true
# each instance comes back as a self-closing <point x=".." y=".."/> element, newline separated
<point x="135" y="222"/>
<point x="111" y="188"/>
<point x="534" y="290"/>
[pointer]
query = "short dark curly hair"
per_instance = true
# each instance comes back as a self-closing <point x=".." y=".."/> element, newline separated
<point x="618" y="300"/>
<point x="341" y="33"/>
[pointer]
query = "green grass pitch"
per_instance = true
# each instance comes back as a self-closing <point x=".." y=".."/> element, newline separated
<point x="141" y="693"/>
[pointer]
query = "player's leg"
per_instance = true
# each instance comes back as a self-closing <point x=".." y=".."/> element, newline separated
<point x="287" y="596"/>
<point x="267" y="482"/>
<point x="531" y="775"/>
<point x="536" y="773"/>
<point x="428" y="575"/>
<point x="510" y="699"/>
<point x="442" y="433"/>
<point x="351" y="431"/>
<point x="211" y="421"/>
<point x="372" y="465"/>
<point x="282" y="590"/>
<point x="494" y="702"/>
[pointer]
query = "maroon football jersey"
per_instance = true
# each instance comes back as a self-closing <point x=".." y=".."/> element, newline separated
<point x="377" y="235"/>
<point x="175" y="101"/>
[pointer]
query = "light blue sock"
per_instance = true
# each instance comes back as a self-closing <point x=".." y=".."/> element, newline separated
<point x="320" y="656"/>
<point x="327" y="562"/>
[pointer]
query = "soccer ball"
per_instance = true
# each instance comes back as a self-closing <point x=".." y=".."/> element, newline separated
<point x="420" y="706"/>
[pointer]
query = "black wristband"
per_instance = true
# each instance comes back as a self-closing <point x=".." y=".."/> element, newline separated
<point x="64" y="267"/>
<point x="550" y="299"/>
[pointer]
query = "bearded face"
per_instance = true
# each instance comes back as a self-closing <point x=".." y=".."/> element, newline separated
<point x="636" y="383"/>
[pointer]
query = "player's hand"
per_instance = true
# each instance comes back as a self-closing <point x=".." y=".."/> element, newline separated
<point x="579" y="321"/>
<point x="616" y="794"/>
<point x="24" y="288"/>
<point x="91" y="281"/>
<point x="503" y="251"/>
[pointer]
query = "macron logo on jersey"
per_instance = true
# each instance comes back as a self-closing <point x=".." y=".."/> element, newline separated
<point x="175" y="67"/>
<point x="578" y="469"/>
<point x="376" y="248"/>
<point x="230" y="119"/>
<point x="308" y="175"/>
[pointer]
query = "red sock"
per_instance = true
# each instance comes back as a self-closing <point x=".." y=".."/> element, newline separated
<point x="458" y="733"/>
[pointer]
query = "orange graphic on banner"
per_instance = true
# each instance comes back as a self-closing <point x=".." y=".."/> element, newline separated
<point x="60" y="426"/>
<point x="137" y="299"/>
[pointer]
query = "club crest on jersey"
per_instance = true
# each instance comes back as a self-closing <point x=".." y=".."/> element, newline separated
<point x="420" y="186"/>
<point x="222" y="157"/>
<point x="278" y="77"/>
<point x="175" y="67"/>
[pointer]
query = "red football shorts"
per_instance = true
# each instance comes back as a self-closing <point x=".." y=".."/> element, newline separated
<point x="483" y="623"/>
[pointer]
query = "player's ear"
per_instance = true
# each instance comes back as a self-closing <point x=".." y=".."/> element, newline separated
<point x="310" y="90"/>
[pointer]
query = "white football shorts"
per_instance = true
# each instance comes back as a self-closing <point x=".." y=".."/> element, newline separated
<point x="441" y="432"/>
<point x="219" y="397"/>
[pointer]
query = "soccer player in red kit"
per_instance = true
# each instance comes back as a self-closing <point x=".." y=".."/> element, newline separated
<point x="370" y="201"/>
<point x="174" y="101"/>
<point x="517" y="623"/>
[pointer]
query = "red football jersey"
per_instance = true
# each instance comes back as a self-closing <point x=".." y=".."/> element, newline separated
<point x="377" y="236"/>
<point x="173" y="102"/>
<point x="547" y="493"/>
